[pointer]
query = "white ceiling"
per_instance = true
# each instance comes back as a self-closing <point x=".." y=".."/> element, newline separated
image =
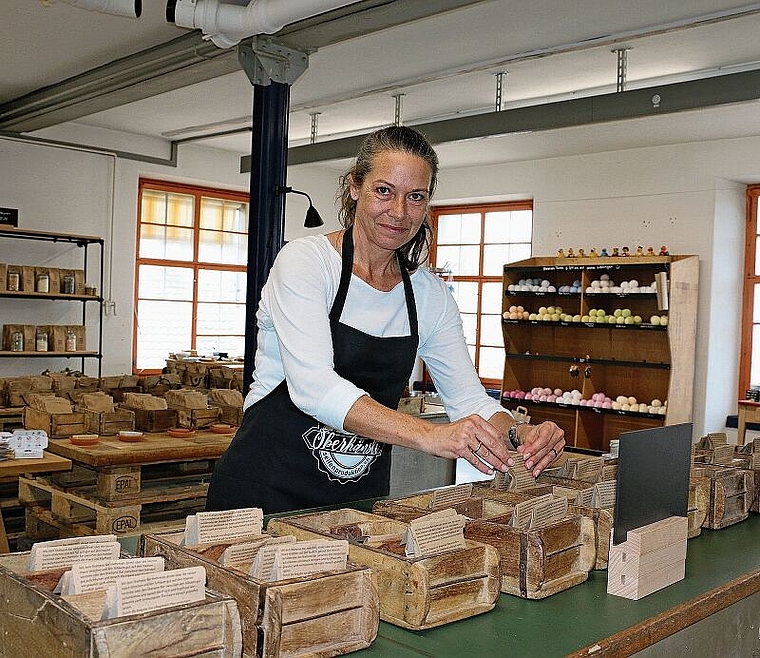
<point x="444" y="65"/>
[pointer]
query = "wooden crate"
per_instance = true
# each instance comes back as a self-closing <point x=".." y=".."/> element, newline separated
<point x="699" y="494"/>
<point x="534" y="563"/>
<point x="154" y="420"/>
<point x="197" y="418"/>
<point x="415" y="593"/>
<point x="325" y="614"/>
<point x="229" y="414"/>
<point x="57" y="426"/>
<point x="108" y="423"/>
<point x="36" y="622"/>
<point x="729" y="495"/>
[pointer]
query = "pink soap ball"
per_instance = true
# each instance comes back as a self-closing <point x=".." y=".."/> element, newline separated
<point x="606" y="400"/>
<point x="542" y="398"/>
<point x="551" y="398"/>
<point x="583" y="403"/>
<point x="597" y="396"/>
<point x="607" y="404"/>
<point x="528" y="396"/>
<point x="536" y="391"/>
<point x="520" y="394"/>
<point x="546" y="391"/>
<point x="598" y="403"/>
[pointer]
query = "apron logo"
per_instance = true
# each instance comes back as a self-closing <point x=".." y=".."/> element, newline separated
<point x="342" y="457"/>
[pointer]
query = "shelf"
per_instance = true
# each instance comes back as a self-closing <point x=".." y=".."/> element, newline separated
<point x="47" y="295"/>
<point x="646" y="361"/>
<point x="46" y="236"/>
<point x="77" y="354"/>
<point x="584" y="408"/>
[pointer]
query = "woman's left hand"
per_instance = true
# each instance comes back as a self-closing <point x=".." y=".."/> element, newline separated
<point x="541" y="445"/>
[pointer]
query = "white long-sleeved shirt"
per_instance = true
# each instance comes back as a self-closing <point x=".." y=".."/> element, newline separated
<point x="294" y="340"/>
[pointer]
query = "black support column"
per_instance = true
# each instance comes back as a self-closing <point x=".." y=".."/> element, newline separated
<point x="271" y="68"/>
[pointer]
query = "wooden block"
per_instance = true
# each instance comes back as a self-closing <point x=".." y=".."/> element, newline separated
<point x="210" y="627"/>
<point x="652" y="557"/>
<point x="324" y="614"/>
<point x="414" y="593"/>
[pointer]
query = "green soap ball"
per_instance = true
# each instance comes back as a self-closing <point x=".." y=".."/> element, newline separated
<point x="626" y="312"/>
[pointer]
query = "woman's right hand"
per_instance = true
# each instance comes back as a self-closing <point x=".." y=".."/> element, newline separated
<point x="470" y="438"/>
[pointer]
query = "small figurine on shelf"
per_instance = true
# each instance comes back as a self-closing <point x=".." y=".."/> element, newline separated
<point x="581" y="253"/>
<point x="626" y="251"/>
<point x="570" y="253"/>
<point x="664" y="251"/>
<point x="593" y="253"/>
<point x="650" y="251"/>
<point x="604" y="253"/>
<point x="639" y="251"/>
<point x="561" y="253"/>
<point x="615" y="252"/>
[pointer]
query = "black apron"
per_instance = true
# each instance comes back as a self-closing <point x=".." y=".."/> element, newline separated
<point x="282" y="459"/>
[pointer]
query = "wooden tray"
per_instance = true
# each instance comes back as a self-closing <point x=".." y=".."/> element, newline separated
<point x="36" y="622"/>
<point x="534" y="563"/>
<point x="324" y="614"/>
<point x="415" y="593"/>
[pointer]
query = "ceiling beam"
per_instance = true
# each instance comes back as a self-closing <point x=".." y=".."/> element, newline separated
<point x="616" y="106"/>
<point x="189" y="59"/>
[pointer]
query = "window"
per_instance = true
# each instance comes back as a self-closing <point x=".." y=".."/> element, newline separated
<point x="191" y="272"/>
<point x="749" y="364"/>
<point x="471" y="246"/>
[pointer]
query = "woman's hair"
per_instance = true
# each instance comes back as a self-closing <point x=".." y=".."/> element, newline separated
<point x="393" y="138"/>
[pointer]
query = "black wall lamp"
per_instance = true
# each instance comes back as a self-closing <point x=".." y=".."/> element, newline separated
<point x="313" y="220"/>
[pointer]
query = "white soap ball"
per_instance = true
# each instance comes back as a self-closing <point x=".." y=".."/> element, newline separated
<point x="633" y="283"/>
<point x="545" y="283"/>
<point x="664" y="320"/>
<point x="651" y="409"/>
<point x="505" y="315"/>
<point x="551" y="289"/>
<point x="621" y="399"/>
<point x="616" y="406"/>
<point x="656" y="403"/>
<point x="625" y="407"/>
<point x="632" y="400"/>
<point x="604" y="277"/>
<point x="589" y="290"/>
<point x="596" y="284"/>
<point x="604" y="285"/>
<point x="662" y="410"/>
<point x="521" y="282"/>
<point x="616" y="289"/>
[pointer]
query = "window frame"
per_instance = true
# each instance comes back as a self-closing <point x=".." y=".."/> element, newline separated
<point x="197" y="192"/>
<point x="483" y="209"/>
<point x="751" y="241"/>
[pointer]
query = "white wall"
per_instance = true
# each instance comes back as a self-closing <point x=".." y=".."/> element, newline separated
<point x="689" y="197"/>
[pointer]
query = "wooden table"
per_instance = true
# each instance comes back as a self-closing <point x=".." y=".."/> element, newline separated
<point x="10" y="469"/>
<point x="120" y="486"/>
<point x="749" y="412"/>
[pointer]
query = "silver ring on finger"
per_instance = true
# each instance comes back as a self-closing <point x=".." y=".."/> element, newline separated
<point x="556" y="454"/>
<point x="480" y="445"/>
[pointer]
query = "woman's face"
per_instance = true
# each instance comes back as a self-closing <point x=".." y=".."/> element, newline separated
<point x="392" y="201"/>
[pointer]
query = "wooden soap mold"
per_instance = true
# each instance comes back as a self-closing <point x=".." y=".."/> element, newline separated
<point x="325" y="614"/>
<point x="415" y="593"/>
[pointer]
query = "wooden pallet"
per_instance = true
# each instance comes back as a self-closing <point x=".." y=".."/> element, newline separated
<point x="79" y="511"/>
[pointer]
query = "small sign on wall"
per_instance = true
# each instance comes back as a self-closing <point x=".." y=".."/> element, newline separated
<point x="8" y="216"/>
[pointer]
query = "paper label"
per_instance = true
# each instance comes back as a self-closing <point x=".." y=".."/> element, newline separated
<point x="245" y="552"/>
<point x="604" y="494"/>
<point x="153" y="591"/>
<point x="448" y="496"/>
<point x="91" y="576"/>
<point x="521" y="478"/>
<point x="521" y="515"/>
<point x="294" y="559"/>
<point x="585" y="497"/>
<point x="588" y="470"/>
<point x="547" y="513"/>
<point x="217" y="527"/>
<point x="723" y="454"/>
<point x="435" y="533"/>
<point x="59" y="553"/>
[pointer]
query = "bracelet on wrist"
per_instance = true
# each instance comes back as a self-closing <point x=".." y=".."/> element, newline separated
<point x="512" y="435"/>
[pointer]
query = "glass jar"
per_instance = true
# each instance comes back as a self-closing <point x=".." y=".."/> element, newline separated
<point x="71" y="341"/>
<point x="43" y="282"/>
<point x="42" y="341"/>
<point x="68" y="284"/>
<point x="14" y="281"/>
<point x="17" y="341"/>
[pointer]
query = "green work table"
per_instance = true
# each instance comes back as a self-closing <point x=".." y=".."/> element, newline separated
<point x="722" y="570"/>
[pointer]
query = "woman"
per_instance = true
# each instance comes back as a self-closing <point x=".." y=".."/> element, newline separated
<point x="341" y="320"/>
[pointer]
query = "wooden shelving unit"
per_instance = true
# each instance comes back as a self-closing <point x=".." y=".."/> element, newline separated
<point x="644" y="360"/>
<point x="84" y="242"/>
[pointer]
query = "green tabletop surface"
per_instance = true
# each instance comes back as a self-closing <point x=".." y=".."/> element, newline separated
<point x="581" y="615"/>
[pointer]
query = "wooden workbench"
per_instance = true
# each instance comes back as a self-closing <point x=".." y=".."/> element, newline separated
<point x="749" y="412"/>
<point x="712" y="612"/>
<point x="118" y="487"/>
